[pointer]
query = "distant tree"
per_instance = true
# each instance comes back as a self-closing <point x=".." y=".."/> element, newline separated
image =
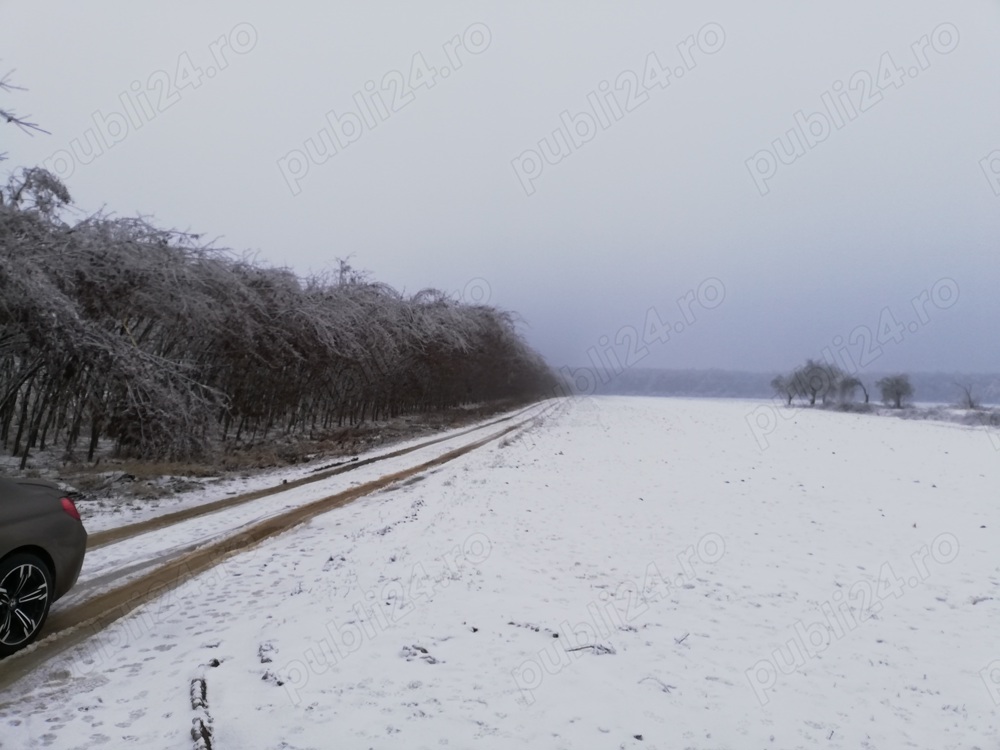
<point x="846" y="388"/>
<point x="816" y="380"/>
<point x="848" y="384"/>
<point x="894" y="389"/>
<point x="834" y="377"/>
<point x="968" y="399"/>
<point x="784" y="387"/>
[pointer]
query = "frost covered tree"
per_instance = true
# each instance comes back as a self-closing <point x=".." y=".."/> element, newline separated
<point x="115" y="329"/>
<point x="847" y="386"/>
<point x="784" y="387"/>
<point x="894" y="389"/>
<point x="816" y="380"/>
<point x="967" y="399"/>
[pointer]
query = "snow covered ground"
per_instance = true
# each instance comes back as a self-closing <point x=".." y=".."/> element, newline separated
<point x="638" y="573"/>
<point x="113" y="511"/>
<point x="108" y="567"/>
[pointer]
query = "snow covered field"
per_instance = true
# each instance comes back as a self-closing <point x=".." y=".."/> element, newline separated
<point x="635" y="573"/>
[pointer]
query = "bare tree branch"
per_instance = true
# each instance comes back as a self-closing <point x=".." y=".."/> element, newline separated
<point x="11" y="116"/>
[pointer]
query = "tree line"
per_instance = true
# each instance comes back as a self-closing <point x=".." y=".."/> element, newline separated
<point x="112" y="328"/>
<point x="819" y="381"/>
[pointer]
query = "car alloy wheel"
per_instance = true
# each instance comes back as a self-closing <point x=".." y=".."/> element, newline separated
<point x="25" y="594"/>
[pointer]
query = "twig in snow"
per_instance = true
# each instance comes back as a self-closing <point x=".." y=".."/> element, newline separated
<point x="597" y="649"/>
<point x="664" y="687"/>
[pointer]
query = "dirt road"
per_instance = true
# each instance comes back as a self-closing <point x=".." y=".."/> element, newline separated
<point x="102" y="538"/>
<point x="70" y="626"/>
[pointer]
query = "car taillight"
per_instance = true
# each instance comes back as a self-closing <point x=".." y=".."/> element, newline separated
<point x="68" y="506"/>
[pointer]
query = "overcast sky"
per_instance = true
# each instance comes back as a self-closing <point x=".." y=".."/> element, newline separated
<point x="581" y="163"/>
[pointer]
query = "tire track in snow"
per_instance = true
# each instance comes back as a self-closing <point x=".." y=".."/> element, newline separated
<point x="74" y="625"/>
<point x="120" y="533"/>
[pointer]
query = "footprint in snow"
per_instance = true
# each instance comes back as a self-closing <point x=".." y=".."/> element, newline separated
<point x="412" y="653"/>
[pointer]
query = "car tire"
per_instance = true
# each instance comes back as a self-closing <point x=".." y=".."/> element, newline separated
<point x="25" y="598"/>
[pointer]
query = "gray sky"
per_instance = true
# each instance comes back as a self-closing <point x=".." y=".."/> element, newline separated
<point x="556" y="167"/>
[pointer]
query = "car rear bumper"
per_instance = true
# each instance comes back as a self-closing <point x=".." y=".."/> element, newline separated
<point x="70" y="559"/>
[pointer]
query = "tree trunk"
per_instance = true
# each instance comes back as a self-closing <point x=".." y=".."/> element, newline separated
<point x="95" y="435"/>
<point x="22" y="421"/>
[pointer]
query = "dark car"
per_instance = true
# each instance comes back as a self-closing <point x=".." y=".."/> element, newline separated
<point x="42" y="543"/>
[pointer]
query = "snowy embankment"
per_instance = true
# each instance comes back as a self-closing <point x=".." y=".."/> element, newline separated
<point x="632" y="573"/>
